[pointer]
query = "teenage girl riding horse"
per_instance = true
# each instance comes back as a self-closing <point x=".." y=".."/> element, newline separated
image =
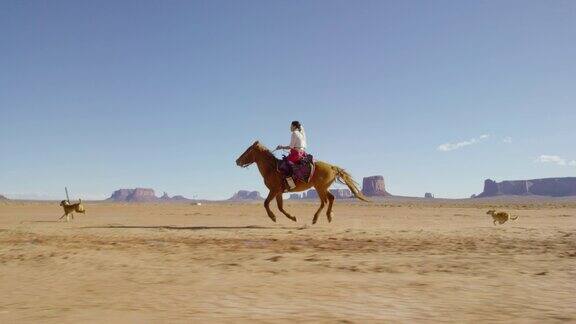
<point x="297" y="148"/>
<point x="323" y="177"/>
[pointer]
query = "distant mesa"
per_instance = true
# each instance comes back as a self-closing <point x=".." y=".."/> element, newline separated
<point x="179" y="198"/>
<point x="246" y="195"/>
<point x="295" y="196"/>
<point x="313" y="194"/>
<point x="549" y="187"/>
<point x="142" y="195"/>
<point x="428" y="195"/>
<point x="341" y="193"/>
<point x="2" y="198"/>
<point x="165" y="197"/>
<point x="310" y="194"/>
<point x="133" y="195"/>
<point x="374" y="187"/>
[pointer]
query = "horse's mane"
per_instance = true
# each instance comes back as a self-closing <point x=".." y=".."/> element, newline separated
<point x="266" y="152"/>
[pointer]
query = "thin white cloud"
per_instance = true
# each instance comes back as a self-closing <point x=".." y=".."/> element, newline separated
<point x="555" y="159"/>
<point x="454" y="146"/>
<point x="507" y="140"/>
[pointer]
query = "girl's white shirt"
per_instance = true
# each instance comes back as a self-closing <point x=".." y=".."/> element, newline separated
<point x="298" y="139"/>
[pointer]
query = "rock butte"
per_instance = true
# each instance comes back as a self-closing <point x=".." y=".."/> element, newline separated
<point x="246" y="195"/>
<point x="142" y="195"/>
<point x="374" y="187"/>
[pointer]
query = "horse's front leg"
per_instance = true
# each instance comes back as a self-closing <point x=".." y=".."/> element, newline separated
<point x="271" y="196"/>
<point x="280" y="203"/>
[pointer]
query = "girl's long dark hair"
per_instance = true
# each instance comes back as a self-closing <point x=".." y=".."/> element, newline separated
<point x="297" y="124"/>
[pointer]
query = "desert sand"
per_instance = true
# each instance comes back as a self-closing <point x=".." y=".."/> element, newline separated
<point x="388" y="260"/>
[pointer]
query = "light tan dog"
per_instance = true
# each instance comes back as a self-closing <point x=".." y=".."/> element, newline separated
<point x="500" y="217"/>
<point x="69" y="209"/>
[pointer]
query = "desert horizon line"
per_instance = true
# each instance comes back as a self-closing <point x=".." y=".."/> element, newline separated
<point x="553" y="187"/>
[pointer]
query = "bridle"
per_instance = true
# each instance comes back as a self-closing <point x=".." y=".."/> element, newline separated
<point x="244" y="155"/>
<point x="252" y="151"/>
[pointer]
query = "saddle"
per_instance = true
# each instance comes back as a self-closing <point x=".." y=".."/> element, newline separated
<point x="302" y="170"/>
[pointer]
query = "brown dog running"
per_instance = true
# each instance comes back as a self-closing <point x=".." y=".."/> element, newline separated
<point x="500" y="217"/>
<point x="69" y="209"/>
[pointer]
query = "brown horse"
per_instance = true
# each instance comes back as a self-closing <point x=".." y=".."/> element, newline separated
<point x="324" y="176"/>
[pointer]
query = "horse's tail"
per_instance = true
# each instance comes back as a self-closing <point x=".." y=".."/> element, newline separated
<point x="345" y="178"/>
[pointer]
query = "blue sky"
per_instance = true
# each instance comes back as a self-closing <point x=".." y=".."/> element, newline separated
<point x="435" y="96"/>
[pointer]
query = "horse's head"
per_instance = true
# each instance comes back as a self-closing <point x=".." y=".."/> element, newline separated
<point x="247" y="157"/>
<point x="490" y="212"/>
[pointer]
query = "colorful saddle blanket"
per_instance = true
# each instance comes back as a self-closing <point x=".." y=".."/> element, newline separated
<point x="303" y="170"/>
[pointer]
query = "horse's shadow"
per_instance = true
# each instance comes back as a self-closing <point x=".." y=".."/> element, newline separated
<point x="193" y="228"/>
<point x="41" y="221"/>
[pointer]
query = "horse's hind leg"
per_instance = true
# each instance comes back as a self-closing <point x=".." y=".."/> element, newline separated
<point x="323" y="199"/>
<point x="330" y="197"/>
<point x="271" y="196"/>
<point x="280" y="203"/>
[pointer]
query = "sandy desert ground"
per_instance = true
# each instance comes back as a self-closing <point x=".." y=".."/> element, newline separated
<point x="396" y="261"/>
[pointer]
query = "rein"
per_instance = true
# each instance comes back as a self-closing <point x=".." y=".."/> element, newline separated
<point x="266" y="156"/>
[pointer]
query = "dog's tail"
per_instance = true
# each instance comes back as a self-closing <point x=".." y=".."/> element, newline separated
<point x="514" y="218"/>
<point x="81" y="208"/>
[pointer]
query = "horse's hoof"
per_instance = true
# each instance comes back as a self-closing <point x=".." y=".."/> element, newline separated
<point x="293" y="219"/>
